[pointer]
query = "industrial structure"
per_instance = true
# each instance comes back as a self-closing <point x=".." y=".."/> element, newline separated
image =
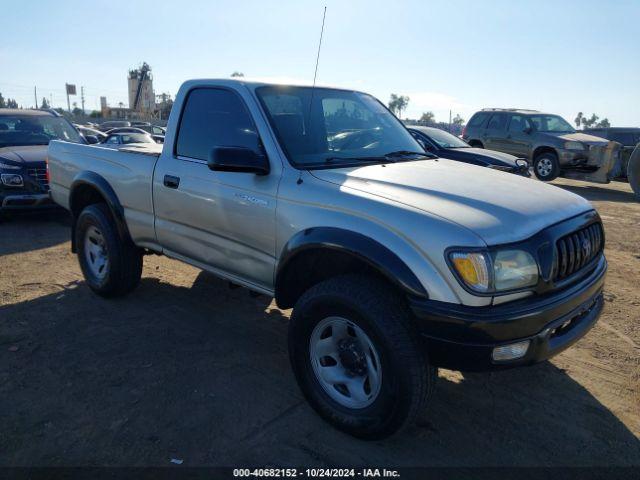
<point x="142" y="99"/>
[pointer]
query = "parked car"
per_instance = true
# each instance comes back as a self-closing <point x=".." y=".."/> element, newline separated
<point x="445" y="145"/>
<point x="395" y="263"/>
<point x="104" y="126"/>
<point x="546" y="140"/>
<point x="627" y="137"/>
<point x="135" y="123"/>
<point x="156" y="138"/>
<point x="91" y="134"/>
<point x="126" y="130"/>
<point x="24" y="136"/>
<point x="118" y="140"/>
<point x="153" y="129"/>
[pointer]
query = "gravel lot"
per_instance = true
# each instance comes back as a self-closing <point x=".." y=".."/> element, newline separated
<point x="186" y="368"/>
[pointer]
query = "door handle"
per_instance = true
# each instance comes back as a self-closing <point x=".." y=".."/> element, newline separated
<point x="171" y="181"/>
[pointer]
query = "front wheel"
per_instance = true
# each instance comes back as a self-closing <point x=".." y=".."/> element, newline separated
<point x="357" y="358"/>
<point x="112" y="265"/>
<point x="546" y="167"/>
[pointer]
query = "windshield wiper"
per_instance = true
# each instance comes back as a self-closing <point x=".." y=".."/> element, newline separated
<point x="359" y="159"/>
<point x="407" y="153"/>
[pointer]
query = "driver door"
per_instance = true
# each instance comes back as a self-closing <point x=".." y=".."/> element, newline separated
<point x="218" y="220"/>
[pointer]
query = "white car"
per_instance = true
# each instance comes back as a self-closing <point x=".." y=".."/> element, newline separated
<point x="118" y="140"/>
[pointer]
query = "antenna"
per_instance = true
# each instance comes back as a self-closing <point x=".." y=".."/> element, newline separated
<point x="315" y="74"/>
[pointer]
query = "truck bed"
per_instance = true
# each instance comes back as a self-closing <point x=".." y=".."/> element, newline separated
<point x="128" y="171"/>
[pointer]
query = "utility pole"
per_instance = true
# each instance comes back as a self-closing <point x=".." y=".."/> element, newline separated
<point x="35" y="96"/>
<point x="449" y="121"/>
<point x="82" y="98"/>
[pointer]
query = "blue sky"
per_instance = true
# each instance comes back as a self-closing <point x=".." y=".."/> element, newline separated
<point x="563" y="57"/>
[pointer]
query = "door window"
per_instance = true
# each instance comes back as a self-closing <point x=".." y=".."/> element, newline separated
<point x="497" y="122"/>
<point x="214" y="117"/>
<point x="518" y="123"/>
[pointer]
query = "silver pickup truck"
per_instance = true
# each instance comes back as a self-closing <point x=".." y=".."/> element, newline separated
<point x="395" y="262"/>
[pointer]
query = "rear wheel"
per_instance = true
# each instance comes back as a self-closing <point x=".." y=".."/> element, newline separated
<point x="633" y="171"/>
<point x="546" y="166"/>
<point x="112" y="265"/>
<point x="476" y="144"/>
<point x="357" y="358"/>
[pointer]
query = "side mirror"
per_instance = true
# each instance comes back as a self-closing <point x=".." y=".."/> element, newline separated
<point x="238" y="159"/>
<point x="91" y="139"/>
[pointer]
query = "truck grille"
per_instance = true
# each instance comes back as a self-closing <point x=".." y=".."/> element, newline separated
<point x="39" y="174"/>
<point x="576" y="250"/>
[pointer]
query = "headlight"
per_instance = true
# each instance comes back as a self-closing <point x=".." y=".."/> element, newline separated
<point x="8" y="166"/>
<point x="573" y="146"/>
<point x="494" y="272"/>
<point x="514" y="269"/>
<point x="12" y="180"/>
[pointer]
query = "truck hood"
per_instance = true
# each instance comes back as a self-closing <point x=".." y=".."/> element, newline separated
<point x="579" y="137"/>
<point x="497" y="206"/>
<point x="490" y="156"/>
<point x="24" y="154"/>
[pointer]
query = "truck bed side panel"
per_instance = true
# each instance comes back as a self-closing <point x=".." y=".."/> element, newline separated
<point x="129" y="174"/>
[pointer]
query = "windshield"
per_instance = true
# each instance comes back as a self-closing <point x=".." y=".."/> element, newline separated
<point x="551" y="123"/>
<point x="136" y="138"/>
<point x="18" y="130"/>
<point x="338" y="126"/>
<point x="445" y="139"/>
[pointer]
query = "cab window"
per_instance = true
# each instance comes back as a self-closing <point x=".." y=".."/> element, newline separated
<point x="214" y="117"/>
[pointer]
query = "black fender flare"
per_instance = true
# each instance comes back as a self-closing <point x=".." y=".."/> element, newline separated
<point x="364" y="248"/>
<point x="98" y="183"/>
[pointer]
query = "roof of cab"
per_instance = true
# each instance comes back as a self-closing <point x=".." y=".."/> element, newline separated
<point x="27" y="113"/>
<point x="253" y="83"/>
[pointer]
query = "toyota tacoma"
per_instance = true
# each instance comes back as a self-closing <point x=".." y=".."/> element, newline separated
<point x="394" y="261"/>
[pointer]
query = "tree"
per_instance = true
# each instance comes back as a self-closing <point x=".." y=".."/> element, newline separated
<point x="11" y="103"/>
<point x="592" y="121"/>
<point x="398" y="103"/>
<point x="428" y="117"/>
<point x="77" y="111"/>
<point x="45" y="103"/>
<point x="2" y="102"/>
<point x="458" y="120"/>
<point x="237" y="74"/>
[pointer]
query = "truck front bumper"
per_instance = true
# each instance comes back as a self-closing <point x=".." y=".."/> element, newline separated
<point x="463" y="338"/>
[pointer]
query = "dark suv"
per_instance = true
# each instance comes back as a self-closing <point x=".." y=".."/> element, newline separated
<point x="546" y="140"/>
<point x="24" y="136"/>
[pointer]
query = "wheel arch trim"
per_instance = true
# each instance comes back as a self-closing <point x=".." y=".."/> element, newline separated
<point x="94" y="181"/>
<point x="358" y="245"/>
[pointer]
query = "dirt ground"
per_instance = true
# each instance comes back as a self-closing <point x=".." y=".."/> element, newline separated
<point x="186" y="368"/>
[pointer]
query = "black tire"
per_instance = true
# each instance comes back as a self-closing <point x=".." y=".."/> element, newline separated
<point x="633" y="171"/>
<point x="546" y="166"/>
<point x="407" y="378"/>
<point x="124" y="267"/>
<point x="476" y="144"/>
